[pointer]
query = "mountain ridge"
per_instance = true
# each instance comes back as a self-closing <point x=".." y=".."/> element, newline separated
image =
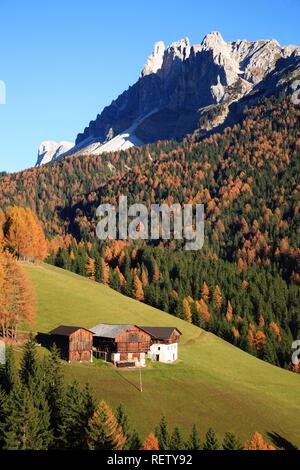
<point x="179" y="86"/>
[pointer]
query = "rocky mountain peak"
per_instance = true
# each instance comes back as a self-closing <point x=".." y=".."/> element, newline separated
<point x="155" y="60"/>
<point x="213" y="40"/>
<point x="183" y="88"/>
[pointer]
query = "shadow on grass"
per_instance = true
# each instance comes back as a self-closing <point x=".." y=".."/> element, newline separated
<point x="130" y="382"/>
<point x="281" y="442"/>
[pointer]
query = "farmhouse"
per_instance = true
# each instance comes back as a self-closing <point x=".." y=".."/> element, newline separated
<point x="164" y="343"/>
<point x="74" y="342"/>
<point x="123" y="345"/>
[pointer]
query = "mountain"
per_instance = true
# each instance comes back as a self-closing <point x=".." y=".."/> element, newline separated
<point x="218" y="384"/>
<point x="183" y="88"/>
<point x="50" y="150"/>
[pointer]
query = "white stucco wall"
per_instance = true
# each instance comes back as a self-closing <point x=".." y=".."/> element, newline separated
<point x="165" y="352"/>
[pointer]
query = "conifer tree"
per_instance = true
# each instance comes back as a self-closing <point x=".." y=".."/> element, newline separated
<point x="205" y="292"/>
<point x="24" y="429"/>
<point x="29" y="363"/>
<point x="133" y="441"/>
<point x="71" y="430"/>
<point x="211" y="441"/>
<point x="151" y="443"/>
<point x="218" y="297"/>
<point x="55" y="390"/>
<point x="162" y="434"/>
<point x="3" y="415"/>
<point x="194" y="442"/>
<point x="138" y="289"/>
<point x="231" y="442"/>
<point x="176" y="441"/>
<point x="10" y="375"/>
<point x="257" y="442"/>
<point x="103" y="430"/>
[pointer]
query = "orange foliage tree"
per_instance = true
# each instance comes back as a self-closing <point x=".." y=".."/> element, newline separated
<point x="24" y="234"/>
<point x="138" y="289"/>
<point x="257" y="442"/>
<point x="151" y="443"/>
<point x="16" y="296"/>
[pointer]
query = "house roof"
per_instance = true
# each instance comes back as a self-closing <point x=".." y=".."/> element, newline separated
<point x="63" y="330"/>
<point x="106" y="330"/>
<point x="160" y="332"/>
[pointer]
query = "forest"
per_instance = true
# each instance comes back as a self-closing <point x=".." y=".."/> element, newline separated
<point x="244" y="284"/>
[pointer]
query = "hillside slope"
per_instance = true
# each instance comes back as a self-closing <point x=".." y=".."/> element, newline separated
<point x="213" y="383"/>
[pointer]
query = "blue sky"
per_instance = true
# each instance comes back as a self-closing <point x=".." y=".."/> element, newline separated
<point x="64" y="60"/>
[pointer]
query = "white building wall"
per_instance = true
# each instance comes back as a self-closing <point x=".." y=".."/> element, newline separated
<point x="164" y="352"/>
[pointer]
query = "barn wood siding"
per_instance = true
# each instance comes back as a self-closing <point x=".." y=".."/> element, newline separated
<point x="80" y="345"/>
<point x="133" y="340"/>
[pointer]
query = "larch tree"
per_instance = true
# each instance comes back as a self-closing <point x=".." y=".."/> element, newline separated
<point x="103" y="430"/>
<point x="205" y="292"/>
<point x="187" y="310"/>
<point x="218" y="297"/>
<point x="91" y="268"/>
<point x="24" y="234"/>
<point x="138" y="289"/>
<point x="257" y="442"/>
<point x="151" y="443"/>
<point x="229" y="313"/>
<point x="17" y="298"/>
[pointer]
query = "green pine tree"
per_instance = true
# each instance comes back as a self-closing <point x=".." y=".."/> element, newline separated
<point x="29" y="363"/>
<point x="10" y="375"/>
<point x="194" y="442"/>
<point x="176" y="441"/>
<point x="133" y="441"/>
<point x="24" y="428"/>
<point x="55" y="390"/>
<point x="231" y="442"/>
<point x="3" y="415"/>
<point x="162" y="434"/>
<point x="211" y="441"/>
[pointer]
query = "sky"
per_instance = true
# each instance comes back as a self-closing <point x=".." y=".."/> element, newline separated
<point x="62" y="61"/>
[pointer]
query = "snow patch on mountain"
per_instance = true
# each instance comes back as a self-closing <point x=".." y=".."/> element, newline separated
<point x="50" y="150"/>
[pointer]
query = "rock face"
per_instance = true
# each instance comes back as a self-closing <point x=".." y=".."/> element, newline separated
<point x="181" y="85"/>
<point x="50" y="150"/>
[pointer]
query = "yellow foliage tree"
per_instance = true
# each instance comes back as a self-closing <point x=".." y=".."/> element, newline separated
<point x="91" y="268"/>
<point x="187" y="310"/>
<point x="218" y="297"/>
<point x="138" y="289"/>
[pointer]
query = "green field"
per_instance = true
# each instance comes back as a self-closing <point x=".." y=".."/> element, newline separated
<point x="213" y="383"/>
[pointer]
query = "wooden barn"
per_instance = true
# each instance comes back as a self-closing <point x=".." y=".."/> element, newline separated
<point x="74" y="342"/>
<point x="164" y="343"/>
<point x="123" y="345"/>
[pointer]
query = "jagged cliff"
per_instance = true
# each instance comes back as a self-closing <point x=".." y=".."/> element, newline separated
<point x="186" y="87"/>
